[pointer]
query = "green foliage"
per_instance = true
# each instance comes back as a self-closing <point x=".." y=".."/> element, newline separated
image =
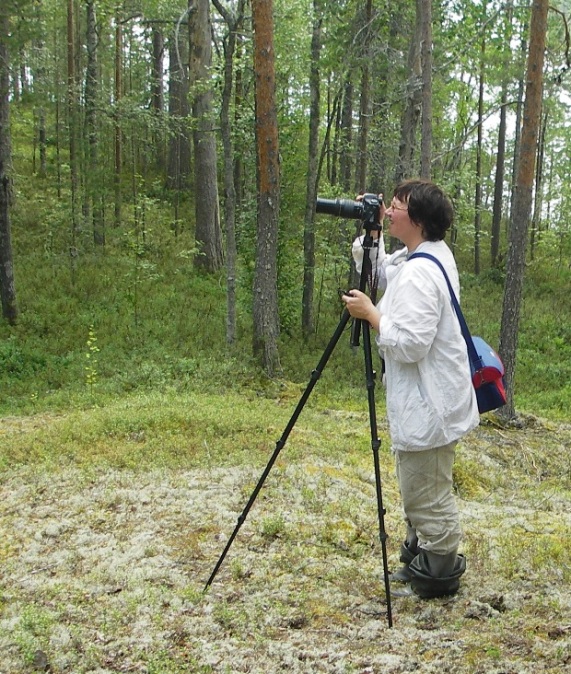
<point x="32" y="634"/>
<point x="148" y="321"/>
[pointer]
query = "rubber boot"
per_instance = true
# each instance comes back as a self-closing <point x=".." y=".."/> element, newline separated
<point x="408" y="551"/>
<point x="435" y="575"/>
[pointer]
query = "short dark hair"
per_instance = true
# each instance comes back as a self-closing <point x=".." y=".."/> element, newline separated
<point x="428" y="207"/>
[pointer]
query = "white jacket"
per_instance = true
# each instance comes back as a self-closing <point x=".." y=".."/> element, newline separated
<point x="430" y="398"/>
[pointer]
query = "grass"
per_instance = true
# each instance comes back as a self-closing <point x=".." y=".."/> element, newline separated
<point x="170" y="430"/>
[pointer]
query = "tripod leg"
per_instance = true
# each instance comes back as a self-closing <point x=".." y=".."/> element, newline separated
<point x="376" y="443"/>
<point x="281" y="442"/>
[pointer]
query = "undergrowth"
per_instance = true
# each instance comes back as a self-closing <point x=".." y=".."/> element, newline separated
<point x="160" y="325"/>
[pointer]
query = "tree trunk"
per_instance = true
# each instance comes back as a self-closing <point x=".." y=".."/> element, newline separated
<point x="265" y="302"/>
<point x="208" y="233"/>
<point x="346" y="135"/>
<point x="328" y="150"/>
<point x="117" y="121"/>
<point x="361" y="171"/>
<point x="157" y="95"/>
<point x="312" y="177"/>
<point x="93" y="185"/>
<point x="179" y="147"/>
<point x="72" y="110"/>
<point x="499" y="181"/>
<point x="41" y="89"/>
<point x="523" y="197"/>
<point x="538" y="192"/>
<point x="233" y="21"/>
<point x="479" y="143"/>
<point x="518" y="117"/>
<point x="426" y="49"/>
<point x="238" y="102"/>
<point x="7" y="286"/>
<point x="501" y="153"/>
<point x="24" y="84"/>
<point x="413" y="104"/>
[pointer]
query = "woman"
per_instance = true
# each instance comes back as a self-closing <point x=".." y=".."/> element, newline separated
<point x="430" y="398"/>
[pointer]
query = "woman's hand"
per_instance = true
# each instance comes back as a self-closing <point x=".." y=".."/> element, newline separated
<point x="360" y="306"/>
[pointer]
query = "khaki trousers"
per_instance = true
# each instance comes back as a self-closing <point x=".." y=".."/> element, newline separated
<point x="425" y="482"/>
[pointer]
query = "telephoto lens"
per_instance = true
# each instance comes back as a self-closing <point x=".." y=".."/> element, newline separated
<point x="342" y="208"/>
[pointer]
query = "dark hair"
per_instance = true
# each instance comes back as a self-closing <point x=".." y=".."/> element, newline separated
<point x="428" y="207"/>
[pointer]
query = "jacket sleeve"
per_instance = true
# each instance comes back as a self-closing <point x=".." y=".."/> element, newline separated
<point x="379" y="259"/>
<point x="408" y="329"/>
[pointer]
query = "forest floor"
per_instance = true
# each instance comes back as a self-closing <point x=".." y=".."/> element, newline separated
<point x="103" y="570"/>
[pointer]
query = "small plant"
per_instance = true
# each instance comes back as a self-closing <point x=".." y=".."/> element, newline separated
<point x="91" y="357"/>
<point x="238" y="570"/>
<point x="32" y="631"/>
<point x="273" y="527"/>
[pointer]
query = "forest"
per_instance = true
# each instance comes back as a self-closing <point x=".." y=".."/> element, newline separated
<point x="167" y="289"/>
<point x="133" y="177"/>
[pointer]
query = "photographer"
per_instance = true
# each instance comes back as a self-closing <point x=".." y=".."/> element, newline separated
<point x="430" y="398"/>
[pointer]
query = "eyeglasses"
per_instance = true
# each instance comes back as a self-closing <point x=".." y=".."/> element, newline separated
<point x="398" y="208"/>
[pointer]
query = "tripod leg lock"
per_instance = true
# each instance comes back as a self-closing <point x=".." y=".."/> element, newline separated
<point x="315" y="374"/>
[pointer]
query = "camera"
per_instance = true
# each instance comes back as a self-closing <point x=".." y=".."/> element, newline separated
<point x="367" y="209"/>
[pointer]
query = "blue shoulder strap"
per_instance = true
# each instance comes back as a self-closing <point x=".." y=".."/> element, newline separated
<point x="472" y="353"/>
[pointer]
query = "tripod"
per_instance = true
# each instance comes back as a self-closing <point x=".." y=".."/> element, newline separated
<point x="359" y="326"/>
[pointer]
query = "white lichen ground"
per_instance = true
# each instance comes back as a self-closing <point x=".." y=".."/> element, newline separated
<point x="104" y="572"/>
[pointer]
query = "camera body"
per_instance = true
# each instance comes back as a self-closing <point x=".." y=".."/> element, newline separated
<point x="368" y="209"/>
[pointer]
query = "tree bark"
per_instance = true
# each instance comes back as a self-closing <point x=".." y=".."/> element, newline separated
<point x="312" y="177"/>
<point x="72" y="110"/>
<point x="179" y="147"/>
<point x="538" y="191"/>
<point x="413" y="104"/>
<point x="117" y="121"/>
<point x="40" y="88"/>
<point x="523" y="198"/>
<point x="501" y="153"/>
<point x="426" y="50"/>
<point x="518" y="122"/>
<point x="7" y="285"/>
<point x="479" y="150"/>
<point x="346" y="135"/>
<point x="361" y="171"/>
<point x="157" y="94"/>
<point x="208" y="233"/>
<point x="499" y="182"/>
<point x="233" y="22"/>
<point x="93" y="186"/>
<point x="265" y="302"/>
